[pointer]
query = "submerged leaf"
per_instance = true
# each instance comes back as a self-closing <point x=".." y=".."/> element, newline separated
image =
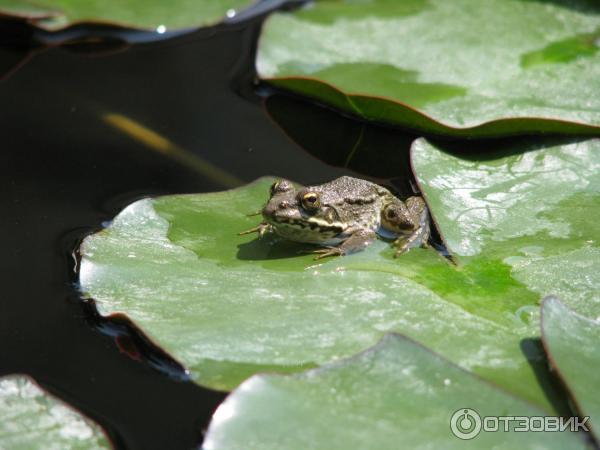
<point x="506" y="67"/>
<point x="30" y="418"/>
<point x="396" y="392"/>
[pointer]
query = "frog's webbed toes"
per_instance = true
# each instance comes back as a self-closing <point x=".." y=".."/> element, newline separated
<point x="261" y="229"/>
<point x="401" y="246"/>
<point x="404" y="244"/>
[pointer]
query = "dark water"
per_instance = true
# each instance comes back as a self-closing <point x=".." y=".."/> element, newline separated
<point x="64" y="171"/>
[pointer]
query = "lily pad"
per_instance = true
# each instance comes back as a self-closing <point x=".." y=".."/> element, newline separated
<point x="156" y="14"/>
<point x="227" y="306"/>
<point x="396" y="392"/>
<point x="507" y="67"/>
<point x="533" y="209"/>
<point x="30" y="418"/>
<point x="571" y="341"/>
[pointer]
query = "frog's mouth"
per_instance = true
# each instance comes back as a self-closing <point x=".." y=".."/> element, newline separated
<point x="308" y="229"/>
<point x="305" y="221"/>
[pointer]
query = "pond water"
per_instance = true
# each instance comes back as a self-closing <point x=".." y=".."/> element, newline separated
<point x="66" y="169"/>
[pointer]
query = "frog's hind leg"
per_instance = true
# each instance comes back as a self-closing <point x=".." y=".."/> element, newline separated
<point x="356" y="242"/>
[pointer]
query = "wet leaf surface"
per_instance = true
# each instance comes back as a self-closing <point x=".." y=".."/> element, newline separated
<point x="396" y="392"/>
<point x="228" y="306"/>
<point x="56" y="14"/>
<point x="571" y="341"/>
<point x="531" y="207"/>
<point x="30" y="418"/>
<point x="506" y="67"/>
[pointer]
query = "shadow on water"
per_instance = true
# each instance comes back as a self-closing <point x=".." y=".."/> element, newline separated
<point x="584" y="6"/>
<point x="533" y="350"/>
<point x="491" y="149"/>
<point x="374" y="152"/>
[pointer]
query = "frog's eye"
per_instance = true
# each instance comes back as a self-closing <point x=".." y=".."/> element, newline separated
<point x="390" y="214"/>
<point x="310" y="200"/>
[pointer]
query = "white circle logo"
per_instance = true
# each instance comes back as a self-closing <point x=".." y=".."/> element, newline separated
<point x="465" y="423"/>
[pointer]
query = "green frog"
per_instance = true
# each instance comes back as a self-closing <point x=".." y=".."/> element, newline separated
<point x="343" y="216"/>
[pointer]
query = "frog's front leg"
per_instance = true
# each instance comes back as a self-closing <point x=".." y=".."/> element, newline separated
<point x="358" y="241"/>
<point x="405" y="243"/>
<point x="261" y="229"/>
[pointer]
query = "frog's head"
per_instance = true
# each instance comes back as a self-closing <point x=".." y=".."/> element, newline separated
<point x="398" y="218"/>
<point x="300" y="215"/>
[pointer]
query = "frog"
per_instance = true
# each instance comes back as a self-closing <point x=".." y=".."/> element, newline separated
<point x="343" y="216"/>
<point x="409" y="222"/>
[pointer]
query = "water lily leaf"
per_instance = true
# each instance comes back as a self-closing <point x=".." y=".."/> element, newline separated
<point x="533" y="208"/>
<point x="31" y="418"/>
<point x="228" y="306"/>
<point x="571" y="341"/>
<point x="396" y="392"/>
<point x="507" y="67"/>
<point x="56" y="14"/>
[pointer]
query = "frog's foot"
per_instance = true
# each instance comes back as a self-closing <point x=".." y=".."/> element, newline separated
<point x="328" y="251"/>
<point x="418" y="239"/>
<point x="261" y="229"/>
<point x="402" y="245"/>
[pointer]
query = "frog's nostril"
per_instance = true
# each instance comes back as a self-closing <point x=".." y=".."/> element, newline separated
<point x="284" y="204"/>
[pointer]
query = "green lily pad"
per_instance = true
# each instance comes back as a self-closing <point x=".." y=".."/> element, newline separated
<point x="56" y="14"/>
<point x="228" y="306"/>
<point x="533" y="208"/>
<point x="395" y="394"/>
<point x="571" y="341"/>
<point x="507" y="67"/>
<point x="31" y="418"/>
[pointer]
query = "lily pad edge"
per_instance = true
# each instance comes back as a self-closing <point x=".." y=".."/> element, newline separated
<point x="552" y="361"/>
<point x="427" y="124"/>
<point x="342" y="362"/>
<point x="152" y="341"/>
